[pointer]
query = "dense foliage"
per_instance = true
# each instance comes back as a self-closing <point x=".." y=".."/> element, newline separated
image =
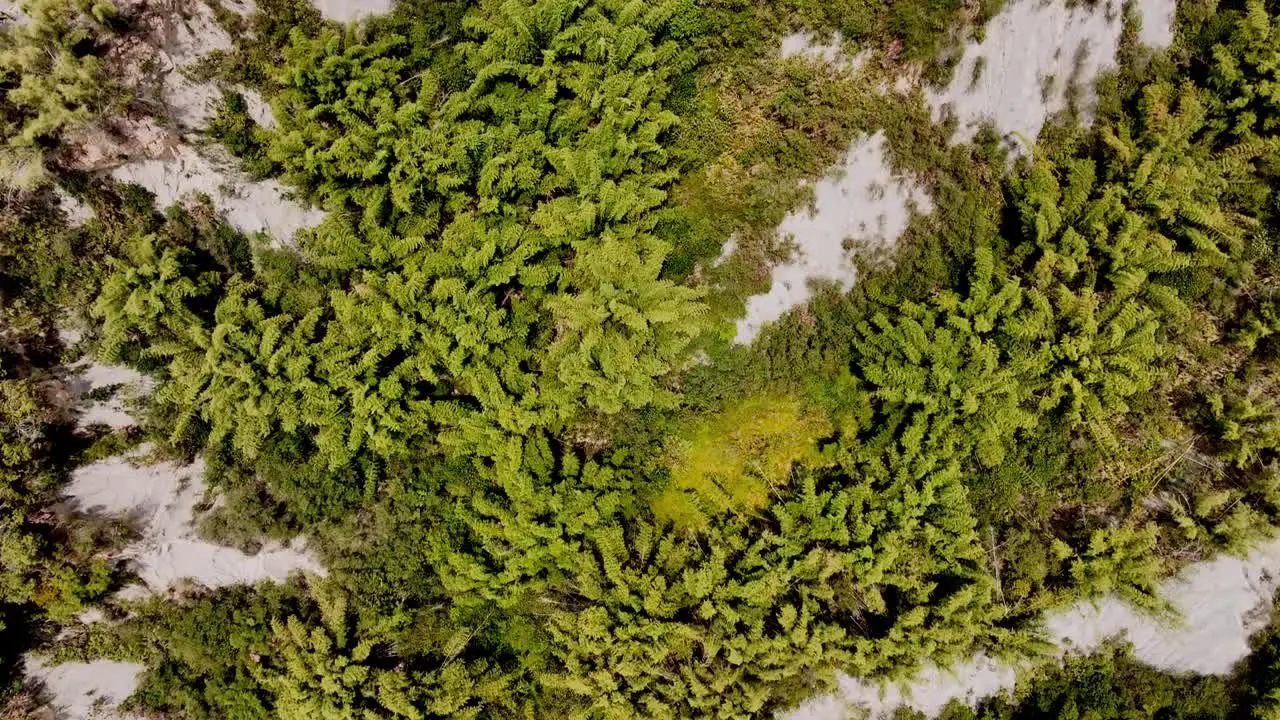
<point x="489" y="266"/>
<point x="52" y="80"/>
<point x="493" y="386"/>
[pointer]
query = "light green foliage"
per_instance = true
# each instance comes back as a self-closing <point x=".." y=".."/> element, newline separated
<point x="51" y="78"/>
<point x="1247" y="423"/>
<point x="1110" y="239"/>
<point x="739" y="459"/>
<point x="500" y="271"/>
<point x="1243" y="73"/>
<point x="856" y="572"/>
<point x="940" y="367"/>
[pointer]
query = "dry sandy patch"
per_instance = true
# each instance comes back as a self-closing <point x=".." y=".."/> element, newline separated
<point x="863" y="203"/>
<point x="162" y="499"/>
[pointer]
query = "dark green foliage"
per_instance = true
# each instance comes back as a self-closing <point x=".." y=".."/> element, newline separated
<point x="276" y="652"/>
<point x="233" y="127"/>
<point x="1109" y="685"/>
<point x="1258" y="676"/>
<point x="920" y="29"/>
<point x="495" y="240"/>
<point x="51" y="80"/>
<point x="51" y="561"/>
<point x="259" y="41"/>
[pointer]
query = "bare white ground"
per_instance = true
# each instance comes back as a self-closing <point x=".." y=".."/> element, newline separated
<point x="1220" y="603"/>
<point x="258" y="108"/>
<point x="1157" y="22"/>
<point x="86" y="691"/>
<point x="191" y="104"/>
<point x="181" y="170"/>
<point x="929" y="693"/>
<point x="804" y="44"/>
<point x="114" y="412"/>
<point x="345" y="11"/>
<point x="1032" y="53"/>
<point x="249" y="206"/>
<point x="726" y="251"/>
<point x="865" y="203"/>
<point x="11" y="11"/>
<point x="162" y="498"/>
<point x="77" y="212"/>
<point x="243" y="8"/>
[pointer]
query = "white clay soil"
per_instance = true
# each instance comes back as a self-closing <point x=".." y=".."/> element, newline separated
<point x="127" y="387"/>
<point x="805" y="45"/>
<point x="249" y="206"/>
<point x="1016" y="78"/>
<point x="86" y="691"/>
<point x="162" y="499"/>
<point x="1031" y="51"/>
<point x="1219" y="603"/>
<point x="345" y="11"/>
<point x="864" y="204"/>
<point x="1032" y="54"/>
<point x="179" y="171"/>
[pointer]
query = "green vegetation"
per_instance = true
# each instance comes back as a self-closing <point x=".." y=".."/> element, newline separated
<point x="1113" y="684"/>
<point x="738" y="459"/>
<point x="495" y="391"/>
<point x="1110" y="684"/>
<point x="51" y="564"/>
<point x="52" y="80"/>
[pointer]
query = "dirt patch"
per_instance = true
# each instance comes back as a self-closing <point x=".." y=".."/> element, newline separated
<point x="863" y="206"/>
<point x="161" y="499"/>
<point x="1220" y="604"/>
<point x="249" y="206"/>
<point x="86" y="691"/>
<point x="1036" y="59"/>
<point x="106" y="394"/>
<point x="345" y="11"/>
<point x="156" y="144"/>
<point x="831" y="52"/>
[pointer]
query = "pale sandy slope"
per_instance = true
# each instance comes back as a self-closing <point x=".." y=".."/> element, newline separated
<point x="180" y="171"/>
<point x="1020" y="74"/>
<point x="161" y="499"/>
